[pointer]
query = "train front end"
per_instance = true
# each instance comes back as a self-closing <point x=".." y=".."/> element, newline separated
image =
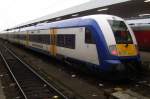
<point x="121" y="54"/>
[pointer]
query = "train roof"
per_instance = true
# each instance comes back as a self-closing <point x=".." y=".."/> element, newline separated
<point x="69" y="22"/>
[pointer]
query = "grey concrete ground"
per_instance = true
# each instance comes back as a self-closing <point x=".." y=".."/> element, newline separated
<point x="145" y="56"/>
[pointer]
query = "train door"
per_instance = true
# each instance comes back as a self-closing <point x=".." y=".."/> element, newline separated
<point x="27" y="38"/>
<point x="53" y="49"/>
<point x="18" y="38"/>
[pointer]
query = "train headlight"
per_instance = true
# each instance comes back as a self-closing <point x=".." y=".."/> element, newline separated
<point x="113" y="50"/>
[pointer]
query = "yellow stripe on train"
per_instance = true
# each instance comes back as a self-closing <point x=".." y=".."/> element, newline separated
<point x="52" y="47"/>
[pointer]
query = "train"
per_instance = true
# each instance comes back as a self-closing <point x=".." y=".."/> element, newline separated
<point x="103" y="43"/>
<point x="141" y="30"/>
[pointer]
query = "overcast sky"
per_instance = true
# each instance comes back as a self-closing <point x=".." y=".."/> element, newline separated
<point x="14" y="12"/>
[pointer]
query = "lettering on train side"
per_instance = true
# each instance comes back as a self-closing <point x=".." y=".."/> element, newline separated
<point x="38" y="46"/>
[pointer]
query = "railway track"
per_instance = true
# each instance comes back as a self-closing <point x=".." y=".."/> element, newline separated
<point x="32" y="85"/>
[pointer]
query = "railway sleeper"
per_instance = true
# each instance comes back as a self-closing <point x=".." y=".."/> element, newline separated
<point x="25" y="77"/>
<point x="39" y="92"/>
<point x="35" y="89"/>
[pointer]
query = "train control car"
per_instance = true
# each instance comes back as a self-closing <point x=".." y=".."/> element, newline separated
<point x="104" y="43"/>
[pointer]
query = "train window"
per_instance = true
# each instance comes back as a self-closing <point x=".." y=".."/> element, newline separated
<point x="44" y="39"/>
<point x="88" y="36"/>
<point x="70" y="41"/>
<point x="34" y="38"/>
<point x="22" y="37"/>
<point x="60" y="40"/>
<point x="11" y="36"/>
<point x="66" y="40"/>
<point x="121" y="32"/>
<point x="15" y="36"/>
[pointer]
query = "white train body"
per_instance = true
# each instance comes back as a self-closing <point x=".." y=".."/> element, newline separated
<point x="90" y="39"/>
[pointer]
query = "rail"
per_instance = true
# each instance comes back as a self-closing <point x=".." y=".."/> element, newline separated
<point x="31" y="84"/>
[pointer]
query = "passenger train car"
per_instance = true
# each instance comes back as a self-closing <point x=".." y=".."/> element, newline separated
<point x="104" y="43"/>
<point x="141" y="30"/>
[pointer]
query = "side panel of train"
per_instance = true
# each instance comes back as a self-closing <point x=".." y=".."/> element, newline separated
<point x="75" y="43"/>
<point x="143" y="39"/>
<point x="142" y="33"/>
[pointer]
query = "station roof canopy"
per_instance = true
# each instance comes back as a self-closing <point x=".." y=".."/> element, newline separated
<point x="127" y="9"/>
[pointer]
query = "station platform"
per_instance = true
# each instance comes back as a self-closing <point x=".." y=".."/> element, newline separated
<point x="2" y="96"/>
<point x="145" y="56"/>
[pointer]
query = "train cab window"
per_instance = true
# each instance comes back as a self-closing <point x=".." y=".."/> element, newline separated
<point x="88" y="36"/>
<point x="121" y="33"/>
